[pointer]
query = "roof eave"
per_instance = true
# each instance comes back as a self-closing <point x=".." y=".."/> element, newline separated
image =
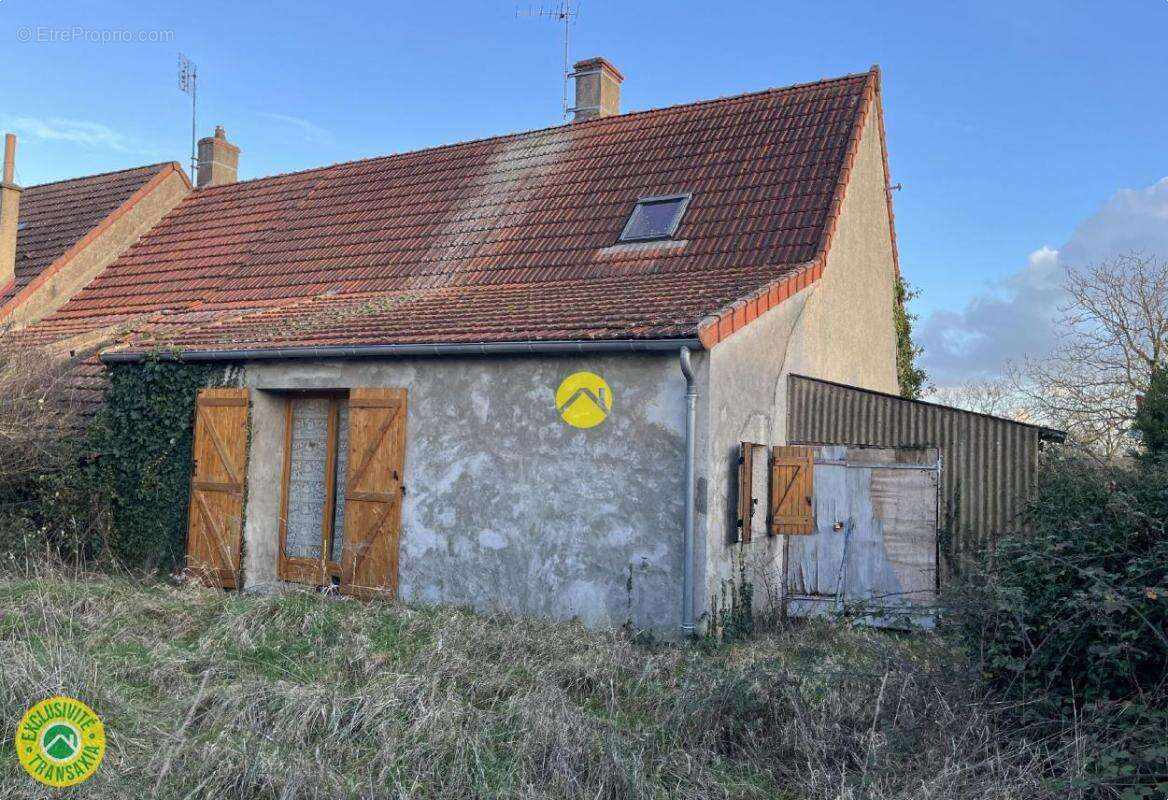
<point x="531" y="347"/>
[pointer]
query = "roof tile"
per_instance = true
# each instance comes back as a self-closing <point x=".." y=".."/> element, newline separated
<point x="503" y="239"/>
<point x="55" y="216"/>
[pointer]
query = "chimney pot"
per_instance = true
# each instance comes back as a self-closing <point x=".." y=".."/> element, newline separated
<point x="9" y="215"/>
<point x="218" y="160"/>
<point x="598" y="85"/>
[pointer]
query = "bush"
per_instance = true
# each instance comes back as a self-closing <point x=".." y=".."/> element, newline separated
<point x="1071" y="618"/>
<point x="41" y="510"/>
<point x="111" y="488"/>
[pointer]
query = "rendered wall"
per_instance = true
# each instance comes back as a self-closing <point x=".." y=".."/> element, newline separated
<point x="839" y="328"/>
<point x="506" y="506"/>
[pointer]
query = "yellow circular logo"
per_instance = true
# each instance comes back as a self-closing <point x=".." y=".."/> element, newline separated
<point x="584" y="400"/>
<point x="60" y="741"/>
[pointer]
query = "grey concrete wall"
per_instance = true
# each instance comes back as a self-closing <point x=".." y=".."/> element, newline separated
<point x="507" y="507"/>
<point x="840" y="328"/>
<point x="261" y="532"/>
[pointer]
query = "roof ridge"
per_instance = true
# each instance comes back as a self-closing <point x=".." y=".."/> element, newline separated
<point x="795" y="87"/>
<point x="158" y="165"/>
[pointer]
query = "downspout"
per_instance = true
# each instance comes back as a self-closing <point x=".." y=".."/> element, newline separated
<point x="687" y="577"/>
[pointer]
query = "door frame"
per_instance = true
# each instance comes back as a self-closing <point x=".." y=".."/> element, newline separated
<point x="294" y="569"/>
<point x="814" y="603"/>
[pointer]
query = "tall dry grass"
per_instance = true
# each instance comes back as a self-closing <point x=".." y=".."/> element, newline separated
<point x="301" y="695"/>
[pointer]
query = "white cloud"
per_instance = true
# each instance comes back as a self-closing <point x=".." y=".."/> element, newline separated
<point x="310" y="130"/>
<point x="1015" y="316"/>
<point x="83" y="132"/>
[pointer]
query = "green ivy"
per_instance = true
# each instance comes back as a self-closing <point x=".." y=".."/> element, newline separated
<point x="911" y="377"/>
<point x="140" y="444"/>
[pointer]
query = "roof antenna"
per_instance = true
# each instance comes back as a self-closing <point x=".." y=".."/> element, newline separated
<point x="562" y="12"/>
<point x="188" y="82"/>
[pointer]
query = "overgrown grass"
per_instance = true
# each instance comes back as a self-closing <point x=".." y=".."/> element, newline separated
<point x="300" y="695"/>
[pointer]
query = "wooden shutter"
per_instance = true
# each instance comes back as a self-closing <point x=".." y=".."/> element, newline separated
<point x="373" y="491"/>
<point x="215" y="518"/>
<point x="745" y="490"/>
<point x="792" y="473"/>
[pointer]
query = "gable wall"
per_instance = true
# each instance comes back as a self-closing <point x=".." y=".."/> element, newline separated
<point x="840" y="328"/>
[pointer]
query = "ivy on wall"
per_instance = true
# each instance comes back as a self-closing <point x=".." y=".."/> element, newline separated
<point x="911" y="377"/>
<point x="141" y="445"/>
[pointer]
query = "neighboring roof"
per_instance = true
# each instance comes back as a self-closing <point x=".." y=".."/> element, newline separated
<point x="55" y="217"/>
<point x="506" y="239"/>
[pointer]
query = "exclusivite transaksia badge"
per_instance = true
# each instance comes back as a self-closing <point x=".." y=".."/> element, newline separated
<point x="60" y="741"/>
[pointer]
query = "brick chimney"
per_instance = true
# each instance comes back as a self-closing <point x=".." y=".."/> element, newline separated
<point x="218" y="160"/>
<point x="597" y="89"/>
<point x="9" y="214"/>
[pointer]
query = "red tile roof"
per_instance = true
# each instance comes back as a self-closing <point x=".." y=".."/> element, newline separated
<point x="506" y="239"/>
<point x="54" y="217"/>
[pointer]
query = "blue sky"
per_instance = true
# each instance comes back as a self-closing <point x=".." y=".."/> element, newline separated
<point x="1012" y="126"/>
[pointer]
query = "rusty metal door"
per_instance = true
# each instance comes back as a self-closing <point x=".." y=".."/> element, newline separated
<point x="873" y="552"/>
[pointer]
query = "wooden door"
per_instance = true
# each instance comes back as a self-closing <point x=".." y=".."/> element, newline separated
<point x="373" y="492"/>
<point x="215" y="517"/>
<point x="873" y="549"/>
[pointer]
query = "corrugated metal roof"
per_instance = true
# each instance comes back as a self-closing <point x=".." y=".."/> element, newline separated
<point x="989" y="463"/>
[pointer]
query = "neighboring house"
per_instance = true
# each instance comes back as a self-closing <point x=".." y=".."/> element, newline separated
<point x="399" y="329"/>
<point x="56" y="237"/>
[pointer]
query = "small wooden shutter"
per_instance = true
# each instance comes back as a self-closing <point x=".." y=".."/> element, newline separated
<point x="373" y="491"/>
<point x="745" y="490"/>
<point x="215" y="518"/>
<point x="792" y="473"/>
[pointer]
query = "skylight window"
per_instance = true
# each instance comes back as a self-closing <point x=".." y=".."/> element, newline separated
<point x="655" y="218"/>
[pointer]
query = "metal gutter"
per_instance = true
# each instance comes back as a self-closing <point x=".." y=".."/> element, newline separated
<point x="410" y="350"/>
<point x="687" y="578"/>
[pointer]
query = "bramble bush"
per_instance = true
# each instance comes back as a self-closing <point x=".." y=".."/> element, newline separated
<point x="1071" y="621"/>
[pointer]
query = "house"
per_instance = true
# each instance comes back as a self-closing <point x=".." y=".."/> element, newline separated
<point x="56" y="237"/>
<point x="515" y="372"/>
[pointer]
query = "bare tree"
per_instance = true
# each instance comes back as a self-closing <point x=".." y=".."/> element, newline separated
<point x="1113" y="330"/>
<point x="997" y="397"/>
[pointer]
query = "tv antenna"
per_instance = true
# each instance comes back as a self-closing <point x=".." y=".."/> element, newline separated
<point x="563" y="12"/>
<point x="188" y="82"/>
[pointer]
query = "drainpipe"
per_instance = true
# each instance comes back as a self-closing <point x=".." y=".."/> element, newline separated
<point x="687" y="577"/>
